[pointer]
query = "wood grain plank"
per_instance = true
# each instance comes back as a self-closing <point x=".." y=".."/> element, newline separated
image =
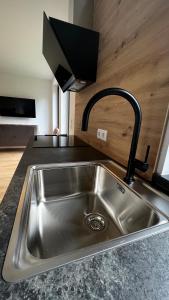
<point x="133" y="54"/>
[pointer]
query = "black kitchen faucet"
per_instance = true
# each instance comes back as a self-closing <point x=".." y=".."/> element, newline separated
<point x="132" y="161"/>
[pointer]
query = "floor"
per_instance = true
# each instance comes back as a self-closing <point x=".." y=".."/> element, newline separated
<point x="8" y="163"/>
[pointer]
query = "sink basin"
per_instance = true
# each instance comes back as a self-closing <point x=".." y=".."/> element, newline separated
<point x="68" y="211"/>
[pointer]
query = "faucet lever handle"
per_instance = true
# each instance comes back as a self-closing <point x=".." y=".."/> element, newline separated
<point x="147" y="154"/>
<point x="143" y="165"/>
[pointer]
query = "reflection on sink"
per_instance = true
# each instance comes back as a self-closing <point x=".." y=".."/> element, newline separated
<point x="64" y="197"/>
<point x="69" y="211"/>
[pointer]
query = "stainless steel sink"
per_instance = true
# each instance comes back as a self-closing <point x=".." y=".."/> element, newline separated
<point x="68" y="211"/>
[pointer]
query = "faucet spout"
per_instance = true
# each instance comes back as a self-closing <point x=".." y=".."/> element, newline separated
<point x="137" y="125"/>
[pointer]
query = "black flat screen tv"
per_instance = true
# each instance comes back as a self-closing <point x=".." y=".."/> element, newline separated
<point x="17" y="107"/>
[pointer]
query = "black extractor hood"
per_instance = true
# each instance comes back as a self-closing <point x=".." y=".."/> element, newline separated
<point x="71" y="52"/>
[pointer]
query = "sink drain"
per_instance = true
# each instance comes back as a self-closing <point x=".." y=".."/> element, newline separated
<point x="95" y="222"/>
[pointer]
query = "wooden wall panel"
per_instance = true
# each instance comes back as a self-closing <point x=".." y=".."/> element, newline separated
<point x="134" y="55"/>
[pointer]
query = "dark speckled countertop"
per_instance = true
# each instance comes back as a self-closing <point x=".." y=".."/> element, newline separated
<point x="139" y="270"/>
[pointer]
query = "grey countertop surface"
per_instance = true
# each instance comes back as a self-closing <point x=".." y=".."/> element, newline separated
<point x="139" y="270"/>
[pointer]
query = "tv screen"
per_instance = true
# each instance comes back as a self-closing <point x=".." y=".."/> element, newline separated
<point x="17" y="107"/>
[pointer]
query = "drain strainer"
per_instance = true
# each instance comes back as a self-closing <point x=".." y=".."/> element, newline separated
<point x="95" y="222"/>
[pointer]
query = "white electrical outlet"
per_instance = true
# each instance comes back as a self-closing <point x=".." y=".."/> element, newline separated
<point x="98" y="133"/>
<point x="105" y="135"/>
<point x="102" y="134"/>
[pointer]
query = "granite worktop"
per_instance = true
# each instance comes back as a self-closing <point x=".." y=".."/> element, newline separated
<point x="139" y="270"/>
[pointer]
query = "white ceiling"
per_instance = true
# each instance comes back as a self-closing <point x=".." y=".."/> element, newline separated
<point x="21" y="35"/>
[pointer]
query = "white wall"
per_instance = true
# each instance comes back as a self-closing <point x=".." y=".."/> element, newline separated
<point x="34" y="88"/>
<point x="63" y="112"/>
<point x="80" y="13"/>
<point x="55" y="105"/>
<point x="163" y="164"/>
<point x="21" y="23"/>
<point x="165" y="170"/>
<point x="83" y="13"/>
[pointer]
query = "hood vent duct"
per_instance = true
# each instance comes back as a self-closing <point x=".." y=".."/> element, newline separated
<point x="71" y="52"/>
